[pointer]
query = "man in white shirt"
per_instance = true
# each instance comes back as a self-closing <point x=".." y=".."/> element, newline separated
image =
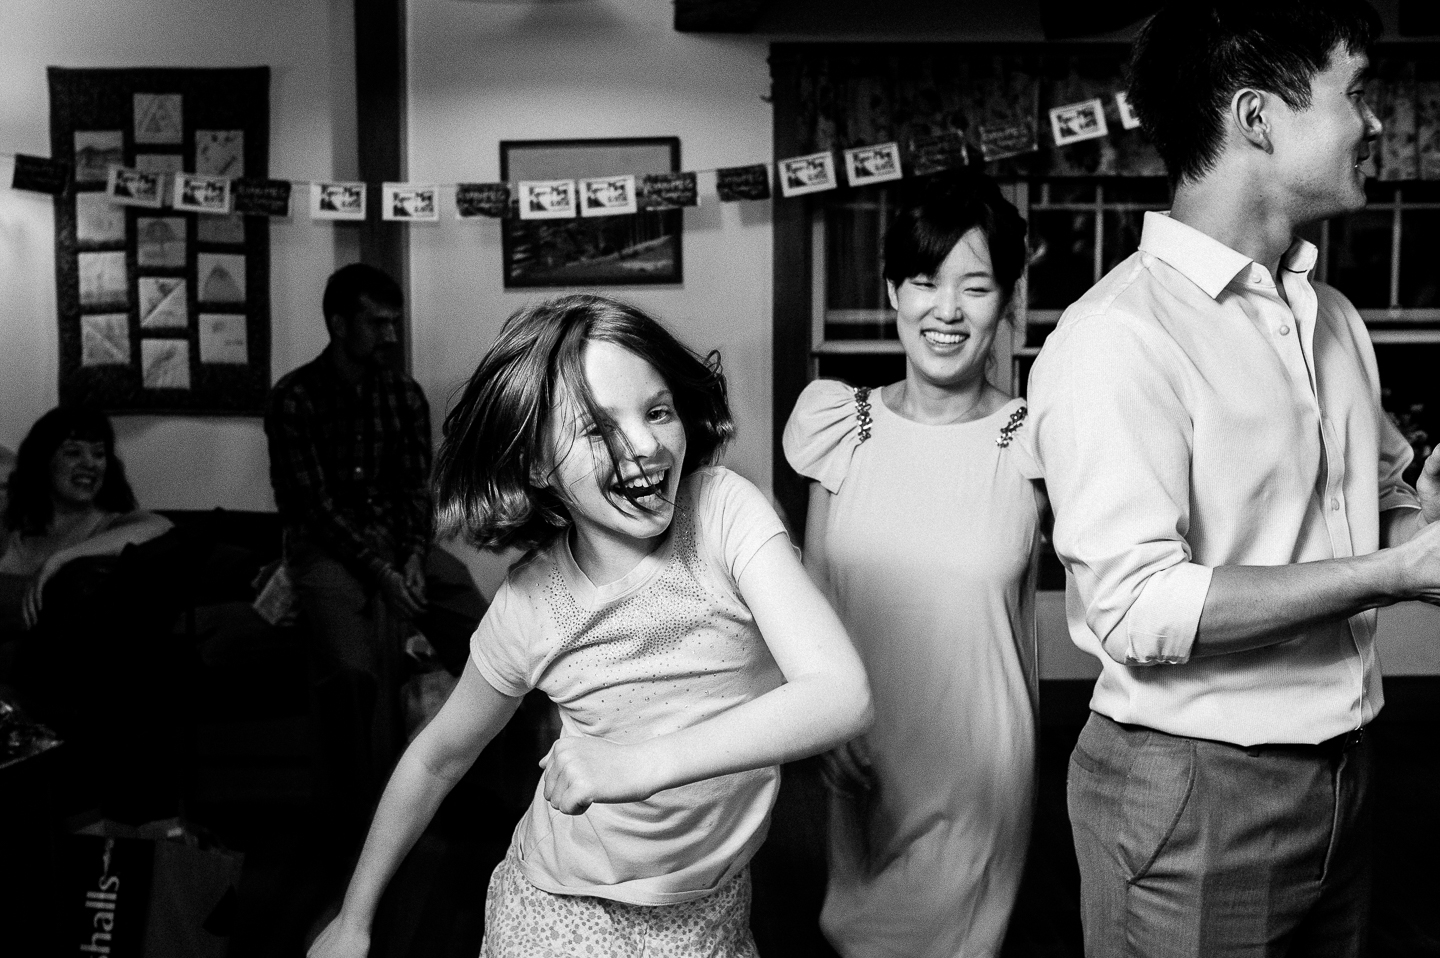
<point x="1229" y="505"/>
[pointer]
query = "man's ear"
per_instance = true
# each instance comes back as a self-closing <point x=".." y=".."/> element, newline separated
<point x="335" y="325"/>
<point x="1248" y="108"/>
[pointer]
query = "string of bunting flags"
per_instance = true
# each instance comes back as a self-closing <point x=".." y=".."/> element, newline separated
<point x="567" y="198"/>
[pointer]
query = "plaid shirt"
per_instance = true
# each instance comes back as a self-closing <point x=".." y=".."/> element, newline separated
<point x="351" y="464"/>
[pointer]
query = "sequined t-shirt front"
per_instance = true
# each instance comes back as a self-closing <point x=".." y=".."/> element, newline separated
<point x="667" y="646"/>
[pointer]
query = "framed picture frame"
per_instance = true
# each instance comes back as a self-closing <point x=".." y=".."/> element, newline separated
<point x="867" y="165"/>
<point x="1076" y="122"/>
<point x="810" y="173"/>
<point x="629" y="249"/>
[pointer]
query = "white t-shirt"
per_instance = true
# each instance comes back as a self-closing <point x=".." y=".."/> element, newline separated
<point x="666" y="647"/>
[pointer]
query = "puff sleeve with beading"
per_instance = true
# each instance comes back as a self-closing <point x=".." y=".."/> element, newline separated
<point x="823" y="433"/>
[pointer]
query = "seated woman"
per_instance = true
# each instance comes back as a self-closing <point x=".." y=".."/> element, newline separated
<point x="67" y="499"/>
<point x="91" y="660"/>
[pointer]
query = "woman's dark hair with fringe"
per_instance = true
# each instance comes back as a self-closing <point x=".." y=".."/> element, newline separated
<point x="936" y="211"/>
<point x="495" y="438"/>
<point x="30" y="505"/>
<point x="1190" y="58"/>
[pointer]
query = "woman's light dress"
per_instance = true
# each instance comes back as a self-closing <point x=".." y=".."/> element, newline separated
<point x="929" y="546"/>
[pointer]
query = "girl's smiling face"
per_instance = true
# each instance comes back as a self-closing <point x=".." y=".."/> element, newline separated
<point x="77" y="471"/>
<point x="649" y="440"/>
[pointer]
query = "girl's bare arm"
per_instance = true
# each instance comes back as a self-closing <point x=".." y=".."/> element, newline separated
<point x="430" y="767"/>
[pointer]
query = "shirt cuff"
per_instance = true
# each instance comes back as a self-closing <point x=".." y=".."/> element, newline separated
<point x="1160" y="627"/>
<point x="1400" y="498"/>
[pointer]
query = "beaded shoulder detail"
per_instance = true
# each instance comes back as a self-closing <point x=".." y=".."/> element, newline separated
<point x="1007" y="431"/>
<point x="862" y="411"/>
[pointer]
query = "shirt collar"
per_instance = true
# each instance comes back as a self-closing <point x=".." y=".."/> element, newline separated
<point x="1300" y="257"/>
<point x="1204" y="260"/>
<point x="332" y="375"/>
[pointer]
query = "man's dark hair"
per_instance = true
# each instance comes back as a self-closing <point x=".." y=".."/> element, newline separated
<point x="1190" y="58"/>
<point x="348" y="283"/>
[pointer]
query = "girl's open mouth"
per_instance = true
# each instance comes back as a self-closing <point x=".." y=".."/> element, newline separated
<point x="641" y="486"/>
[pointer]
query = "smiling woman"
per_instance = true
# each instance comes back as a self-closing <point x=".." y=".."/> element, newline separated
<point x="930" y="812"/>
<point x="82" y="627"/>
<point x="67" y="498"/>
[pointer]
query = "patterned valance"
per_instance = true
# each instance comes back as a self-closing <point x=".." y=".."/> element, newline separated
<point x="852" y="95"/>
<point x="1405" y="94"/>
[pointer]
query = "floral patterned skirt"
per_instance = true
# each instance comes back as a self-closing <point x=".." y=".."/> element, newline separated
<point x="522" y="921"/>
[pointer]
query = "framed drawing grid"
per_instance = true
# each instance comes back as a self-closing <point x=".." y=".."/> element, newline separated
<point x="630" y="249"/>
<point x="161" y="310"/>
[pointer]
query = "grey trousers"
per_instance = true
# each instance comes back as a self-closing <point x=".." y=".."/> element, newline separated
<point x="1189" y="847"/>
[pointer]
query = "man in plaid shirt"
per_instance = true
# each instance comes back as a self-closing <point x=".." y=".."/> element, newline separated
<point x="349" y="440"/>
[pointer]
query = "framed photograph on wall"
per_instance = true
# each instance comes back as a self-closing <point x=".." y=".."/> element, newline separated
<point x="641" y="248"/>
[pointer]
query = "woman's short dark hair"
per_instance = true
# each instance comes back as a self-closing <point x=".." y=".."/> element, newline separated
<point x="495" y="438"/>
<point x="30" y="506"/>
<point x="936" y="211"/>
<point x="1190" y="58"/>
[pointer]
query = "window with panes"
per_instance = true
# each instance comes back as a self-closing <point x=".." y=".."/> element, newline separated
<point x="1385" y="258"/>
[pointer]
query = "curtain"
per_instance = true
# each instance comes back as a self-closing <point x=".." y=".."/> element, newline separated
<point x="1405" y="94"/>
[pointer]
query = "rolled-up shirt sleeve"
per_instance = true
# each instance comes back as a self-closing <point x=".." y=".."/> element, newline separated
<point x="1396" y="453"/>
<point x="1395" y="457"/>
<point x="1113" y="436"/>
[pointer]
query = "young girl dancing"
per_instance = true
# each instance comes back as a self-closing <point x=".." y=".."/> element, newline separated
<point x="663" y="610"/>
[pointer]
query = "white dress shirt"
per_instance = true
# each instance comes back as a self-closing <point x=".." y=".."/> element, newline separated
<point x="1187" y="417"/>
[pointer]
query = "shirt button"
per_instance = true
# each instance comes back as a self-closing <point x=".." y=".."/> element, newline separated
<point x="1335" y="503"/>
<point x="1284" y="330"/>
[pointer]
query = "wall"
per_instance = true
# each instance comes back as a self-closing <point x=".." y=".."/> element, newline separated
<point x="175" y="462"/>
<point x="481" y="72"/>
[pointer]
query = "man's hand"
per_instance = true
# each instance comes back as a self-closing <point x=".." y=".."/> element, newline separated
<point x="414" y="574"/>
<point x="847" y="769"/>
<point x="580" y="771"/>
<point x="398" y="594"/>
<point x="1428" y="486"/>
<point x="1419" y="569"/>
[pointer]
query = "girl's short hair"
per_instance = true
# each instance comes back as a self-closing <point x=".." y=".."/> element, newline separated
<point x="936" y="211"/>
<point x="29" y="506"/>
<point x="495" y="438"/>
